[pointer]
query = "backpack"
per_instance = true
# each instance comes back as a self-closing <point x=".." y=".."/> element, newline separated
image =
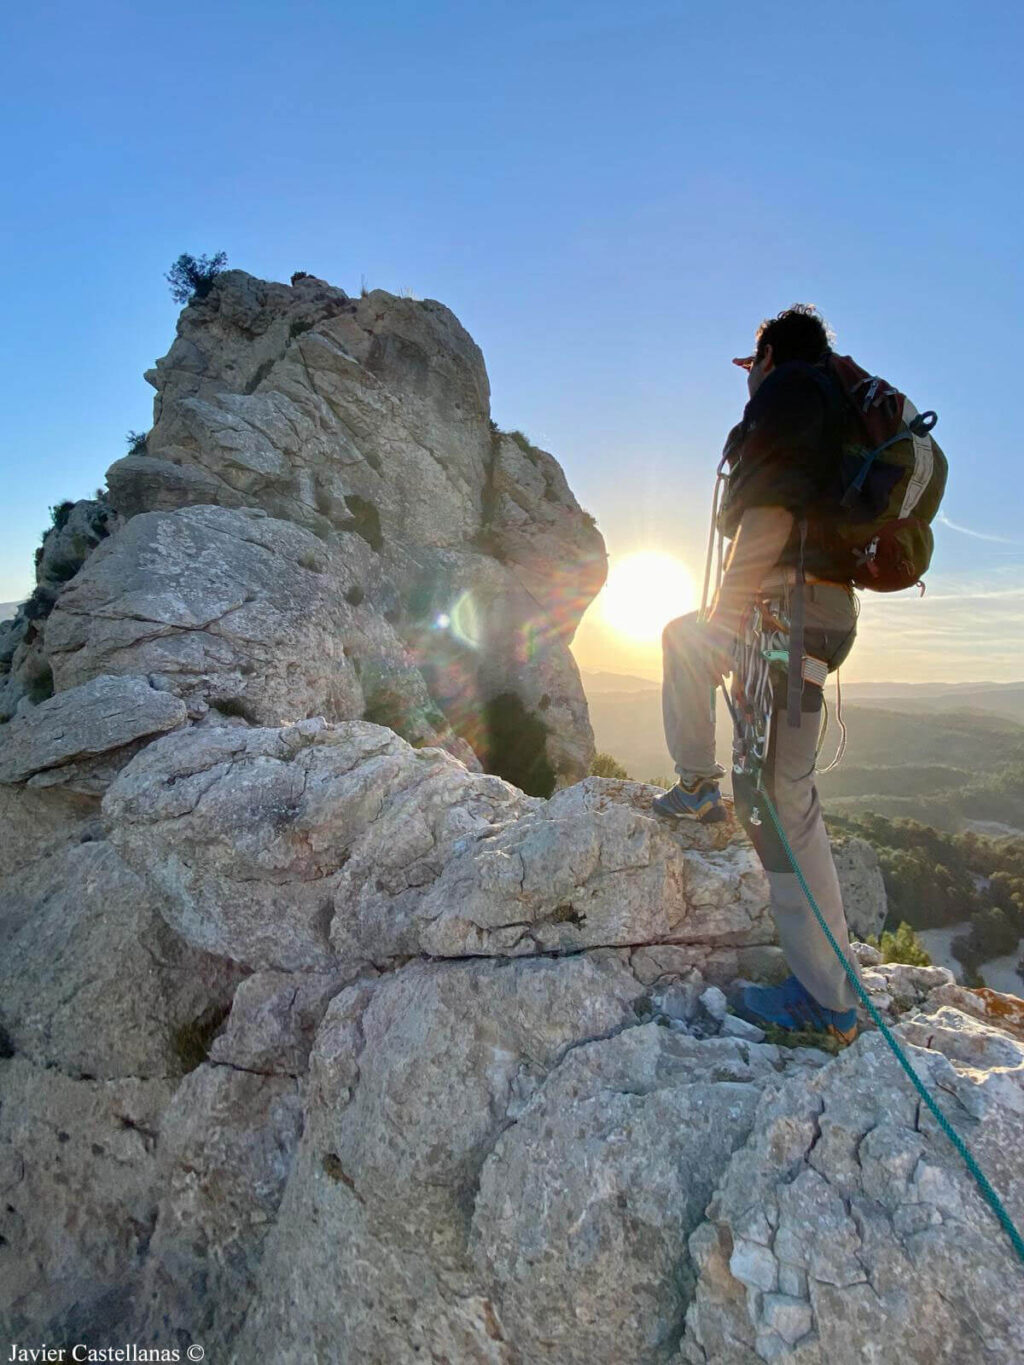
<point x="891" y="475"/>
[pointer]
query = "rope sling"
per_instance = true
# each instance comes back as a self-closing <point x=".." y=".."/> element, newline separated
<point x="764" y="642"/>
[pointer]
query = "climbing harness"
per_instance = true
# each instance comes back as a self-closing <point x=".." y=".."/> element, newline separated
<point x="765" y="642"/>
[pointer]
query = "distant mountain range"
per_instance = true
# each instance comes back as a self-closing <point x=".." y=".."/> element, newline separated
<point x="999" y="699"/>
<point x="8" y="609"/>
<point x="943" y="754"/>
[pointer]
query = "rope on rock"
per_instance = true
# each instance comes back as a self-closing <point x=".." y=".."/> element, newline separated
<point x="753" y="762"/>
<point x="993" y="1199"/>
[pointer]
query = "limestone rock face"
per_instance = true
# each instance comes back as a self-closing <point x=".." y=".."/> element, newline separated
<point x="219" y="607"/>
<point x="847" y="1204"/>
<point x="36" y="823"/>
<point x="26" y="677"/>
<point x="323" y="520"/>
<point x="347" y="1050"/>
<point x="337" y="1021"/>
<point x="57" y="742"/>
<point x="860" y="879"/>
<point x="364" y="423"/>
<point x="91" y="979"/>
<point x="314" y="845"/>
<point x="651" y="1117"/>
<point x="227" y="1144"/>
<point x="301" y="400"/>
<point x="78" y="1199"/>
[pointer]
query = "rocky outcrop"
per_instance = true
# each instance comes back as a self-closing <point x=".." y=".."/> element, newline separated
<point x="862" y="885"/>
<point x="323" y="520"/>
<point x="336" y="1020"/>
<point x="26" y="677"/>
<point x="450" y="561"/>
<point x="423" y="1067"/>
<point x="848" y="1227"/>
<point x="59" y="742"/>
<point x="316" y="845"/>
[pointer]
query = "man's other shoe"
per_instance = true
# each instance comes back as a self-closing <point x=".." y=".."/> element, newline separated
<point x="791" y="1006"/>
<point x="702" y="801"/>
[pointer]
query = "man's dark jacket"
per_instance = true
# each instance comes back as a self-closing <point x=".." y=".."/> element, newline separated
<point x="786" y="453"/>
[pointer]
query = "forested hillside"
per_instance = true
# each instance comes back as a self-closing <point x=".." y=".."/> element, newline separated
<point x="933" y="878"/>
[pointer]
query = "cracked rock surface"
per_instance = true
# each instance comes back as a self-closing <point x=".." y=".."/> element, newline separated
<point x="849" y="1228"/>
<point x="349" y="1052"/>
<point x="313" y="845"/>
<point x="346" y="1050"/>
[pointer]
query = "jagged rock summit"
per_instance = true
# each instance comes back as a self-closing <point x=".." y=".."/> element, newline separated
<point x="322" y="1042"/>
<point x="324" y="520"/>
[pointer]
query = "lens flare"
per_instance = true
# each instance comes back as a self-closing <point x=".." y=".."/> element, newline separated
<point x="466" y="621"/>
<point x="644" y="592"/>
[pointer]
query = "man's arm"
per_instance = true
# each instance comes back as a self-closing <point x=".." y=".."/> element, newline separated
<point x="760" y="540"/>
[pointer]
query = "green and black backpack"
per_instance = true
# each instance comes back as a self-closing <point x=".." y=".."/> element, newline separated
<point x="890" y="479"/>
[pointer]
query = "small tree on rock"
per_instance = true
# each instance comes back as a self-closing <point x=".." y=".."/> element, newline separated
<point x="193" y="279"/>
<point x="901" y="946"/>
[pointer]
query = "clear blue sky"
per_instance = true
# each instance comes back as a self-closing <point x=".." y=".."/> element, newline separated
<point x="609" y="196"/>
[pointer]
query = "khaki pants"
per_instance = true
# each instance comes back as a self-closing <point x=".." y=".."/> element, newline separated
<point x="830" y="627"/>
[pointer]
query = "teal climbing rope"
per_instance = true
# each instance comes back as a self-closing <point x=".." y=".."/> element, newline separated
<point x="993" y="1199"/>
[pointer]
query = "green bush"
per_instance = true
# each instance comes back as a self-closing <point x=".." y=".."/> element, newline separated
<point x="606" y="766"/>
<point x="992" y="933"/>
<point x="136" y="442"/>
<point x="59" y="514"/>
<point x="193" y="279"/>
<point x="902" y="946"/>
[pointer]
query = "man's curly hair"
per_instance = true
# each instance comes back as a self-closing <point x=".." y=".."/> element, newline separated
<point x="797" y="333"/>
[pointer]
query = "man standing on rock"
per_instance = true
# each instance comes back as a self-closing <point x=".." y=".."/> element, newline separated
<point x="782" y="460"/>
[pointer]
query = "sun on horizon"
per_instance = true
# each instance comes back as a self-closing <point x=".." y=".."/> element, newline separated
<point x="645" y="590"/>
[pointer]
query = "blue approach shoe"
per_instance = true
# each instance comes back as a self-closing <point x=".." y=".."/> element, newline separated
<point x="703" y="801"/>
<point x="790" y="1006"/>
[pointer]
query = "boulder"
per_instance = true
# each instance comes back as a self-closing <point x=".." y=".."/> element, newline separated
<point x="848" y="1227"/>
<point x="245" y="833"/>
<point x="314" y="845"/>
<point x="92" y="981"/>
<point x="862" y="885"/>
<point x="220" y="607"/>
<point x="56" y="742"/>
<point x="325" y="412"/>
